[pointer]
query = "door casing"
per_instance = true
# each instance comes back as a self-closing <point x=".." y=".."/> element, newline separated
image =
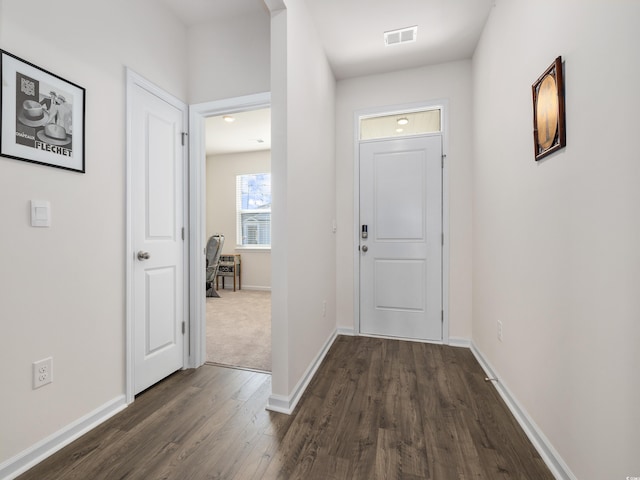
<point x="195" y="193"/>
<point x="392" y="110"/>
<point x="197" y="201"/>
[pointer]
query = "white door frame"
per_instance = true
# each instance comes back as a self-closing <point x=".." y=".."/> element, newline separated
<point x="391" y="110"/>
<point x="134" y="79"/>
<point x="197" y="201"/>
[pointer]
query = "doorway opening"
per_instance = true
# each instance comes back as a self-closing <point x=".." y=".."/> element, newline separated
<point x="388" y="152"/>
<point x="157" y="289"/>
<point x="401" y="231"/>
<point x="238" y="233"/>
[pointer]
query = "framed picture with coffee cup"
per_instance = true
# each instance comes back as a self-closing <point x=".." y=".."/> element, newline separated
<point x="42" y="116"/>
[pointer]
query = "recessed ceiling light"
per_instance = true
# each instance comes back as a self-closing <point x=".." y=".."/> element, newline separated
<point x="402" y="35"/>
<point x="228" y="118"/>
<point x="403" y="121"/>
<point x="399" y="130"/>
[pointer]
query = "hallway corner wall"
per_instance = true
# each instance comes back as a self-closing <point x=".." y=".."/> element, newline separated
<point x="450" y="81"/>
<point x="555" y="247"/>
<point x="62" y="290"/>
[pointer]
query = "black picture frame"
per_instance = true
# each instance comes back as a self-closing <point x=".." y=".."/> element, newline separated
<point x="549" y="128"/>
<point x="42" y="116"/>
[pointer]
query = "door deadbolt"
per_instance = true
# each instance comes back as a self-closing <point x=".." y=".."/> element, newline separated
<point x="365" y="248"/>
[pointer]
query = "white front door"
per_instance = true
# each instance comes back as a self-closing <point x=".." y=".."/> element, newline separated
<point x="157" y="159"/>
<point x="401" y="256"/>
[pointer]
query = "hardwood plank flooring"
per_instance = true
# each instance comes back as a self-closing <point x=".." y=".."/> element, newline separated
<point x="376" y="409"/>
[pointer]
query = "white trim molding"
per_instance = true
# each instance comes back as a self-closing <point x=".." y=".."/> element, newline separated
<point x="551" y="457"/>
<point x="23" y="461"/>
<point x="459" y="342"/>
<point x="282" y="404"/>
<point x="197" y="221"/>
<point x="349" y="332"/>
<point x="259" y="288"/>
<point x="443" y="104"/>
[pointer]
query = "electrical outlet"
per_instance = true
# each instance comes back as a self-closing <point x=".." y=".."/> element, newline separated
<point x="499" y="330"/>
<point x="42" y="372"/>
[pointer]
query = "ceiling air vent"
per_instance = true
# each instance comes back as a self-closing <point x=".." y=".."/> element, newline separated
<point x="402" y="35"/>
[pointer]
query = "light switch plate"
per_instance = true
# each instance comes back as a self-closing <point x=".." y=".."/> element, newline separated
<point x="40" y="213"/>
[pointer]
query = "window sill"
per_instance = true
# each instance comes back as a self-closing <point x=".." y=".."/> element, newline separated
<point x="242" y="248"/>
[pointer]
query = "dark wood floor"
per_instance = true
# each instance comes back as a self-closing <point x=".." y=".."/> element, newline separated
<point x="377" y="409"/>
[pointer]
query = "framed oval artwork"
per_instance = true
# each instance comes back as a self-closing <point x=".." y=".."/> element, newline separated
<point x="549" y="132"/>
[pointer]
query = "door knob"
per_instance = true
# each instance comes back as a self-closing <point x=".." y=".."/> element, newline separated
<point x="143" y="255"/>
<point x="365" y="248"/>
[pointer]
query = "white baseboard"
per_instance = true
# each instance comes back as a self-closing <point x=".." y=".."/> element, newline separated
<point x="453" y="341"/>
<point x="349" y="332"/>
<point x="551" y="457"/>
<point x="402" y="339"/>
<point x="23" y="461"/>
<point x="281" y="404"/>
<point x="262" y="288"/>
<point x="31" y="456"/>
<point x="459" y="342"/>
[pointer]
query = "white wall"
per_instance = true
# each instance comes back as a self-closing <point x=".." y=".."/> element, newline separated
<point x="303" y="173"/>
<point x="221" y="212"/>
<point x="229" y="58"/>
<point x="62" y="288"/>
<point x="556" y="255"/>
<point x="450" y="81"/>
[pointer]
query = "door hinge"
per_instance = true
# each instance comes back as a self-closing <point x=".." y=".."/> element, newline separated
<point x="184" y="328"/>
<point x="182" y="233"/>
<point x="442" y="238"/>
<point x="442" y="316"/>
<point x="184" y="136"/>
<point x="442" y="158"/>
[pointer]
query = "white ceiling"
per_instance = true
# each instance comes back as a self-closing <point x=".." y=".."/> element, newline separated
<point x="352" y="31"/>
<point x="193" y="12"/>
<point x="242" y="135"/>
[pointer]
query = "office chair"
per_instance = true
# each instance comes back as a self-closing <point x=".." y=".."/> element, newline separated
<point x="214" y="249"/>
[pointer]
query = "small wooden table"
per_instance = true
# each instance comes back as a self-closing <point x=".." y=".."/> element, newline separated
<point x="229" y="266"/>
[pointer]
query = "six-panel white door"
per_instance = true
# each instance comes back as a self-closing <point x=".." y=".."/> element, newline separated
<point x="157" y="221"/>
<point x="401" y="258"/>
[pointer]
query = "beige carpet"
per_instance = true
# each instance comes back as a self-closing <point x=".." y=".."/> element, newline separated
<point x="239" y="329"/>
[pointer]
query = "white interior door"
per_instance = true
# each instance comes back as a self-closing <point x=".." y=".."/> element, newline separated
<point x="157" y="159"/>
<point x="401" y="258"/>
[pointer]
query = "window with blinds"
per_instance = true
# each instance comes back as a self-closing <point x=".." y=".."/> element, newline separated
<point x="253" y="210"/>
